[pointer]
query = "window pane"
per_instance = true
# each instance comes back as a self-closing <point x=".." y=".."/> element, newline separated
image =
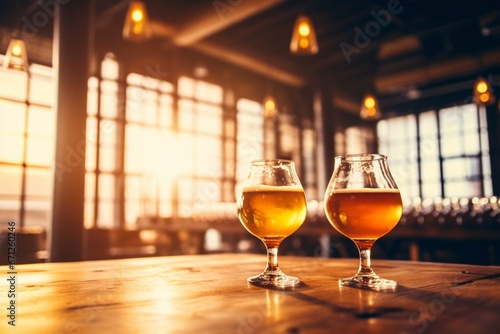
<point x="133" y="148"/>
<point x="106" y="186"/>
<point x="209" y="119"/>
<point x="208" y="92"/>
<point x="109" y="67"/>
<point x="134" y="102"/>
<point x="186" y="87"/>
<point x="108" y="148"/>
<point x="10" y="192"/>
<point x="106" y="218"/>
<point x="209" y="154"/>
<point x="431" y="189"/>
<point x="133" y="193"/>
<point x="451" y="145"/>
<point x="13" y="84"/>
<point x="11" y="148"/>
<point x="41" y="121"/>
<point x="89" y="186"/>
<point x="40" y="151"/>
<point x="109" y="99"/>
<point x="106" y="214"/>
<point x="454" y="169"/>
<point x="186" y="115"/>
<point x="166" y="111"/>
<point x="186" y="145"/>
<point x="91" y="147"/>
<point x="149" y="108"/>
<point x="12" y="117"/>
<point x="429" y="155"/>
<point x="92" y="96"/>
<point x="42" y="89"/>
<point x="11" y="181"/>
<point x="471" y="143"/>
<point x="107" y="158"/>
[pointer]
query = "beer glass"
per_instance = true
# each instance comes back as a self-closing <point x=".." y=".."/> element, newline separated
<point x="271" y="206"/>
<point x="363" y="203"/>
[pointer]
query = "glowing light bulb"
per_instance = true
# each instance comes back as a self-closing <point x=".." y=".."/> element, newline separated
<point x="303" y="37"/>
<point x="270" y="105"/>
<point x="304" y="29"/>
<point x="303" y="43"/>
<point x="481" y="87"/>
<point x="137" y="15"/>
<point x="371" y="112"/>
<point x="369" y="102"/>
<point x="484" y="97"/>
<point x="16" y="50"/>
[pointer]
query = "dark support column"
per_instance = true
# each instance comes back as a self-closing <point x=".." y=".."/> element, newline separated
<point x="493" y="117"/>
<point x="71" y="65"/>
<point x="324" y="127"/>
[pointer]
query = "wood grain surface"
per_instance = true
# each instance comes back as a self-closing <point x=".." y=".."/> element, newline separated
<point x="209" y="294"/>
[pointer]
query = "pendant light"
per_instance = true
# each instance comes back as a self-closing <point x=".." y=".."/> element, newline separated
<point x="137" y="27"/>
<point x="483" y="93"/>
<point x="16" y="56"/>
<point x="270" y="108"/>
<point x="303" y="37"/>
<point x="369" y="107"/>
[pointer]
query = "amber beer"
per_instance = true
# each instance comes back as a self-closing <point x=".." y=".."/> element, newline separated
<point x="271" y="212"/>
<point x="364" y="214"/>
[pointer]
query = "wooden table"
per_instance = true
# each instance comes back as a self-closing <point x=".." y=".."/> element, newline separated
<point x="209" y="294"/>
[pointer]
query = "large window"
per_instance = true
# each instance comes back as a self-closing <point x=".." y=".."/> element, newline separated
<point x="27" y="142"/>
<point x="130" y="145"/>
<point x="150" y="162"/>
<point x="104" y="161"/>
<point x="150" y="156"/>
<point x="200" y="142"/>
<point x="442" y="153"/>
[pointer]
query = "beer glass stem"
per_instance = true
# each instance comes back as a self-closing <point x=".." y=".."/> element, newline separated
<point x="272" y="259"/>
<point x="365" y="268"/>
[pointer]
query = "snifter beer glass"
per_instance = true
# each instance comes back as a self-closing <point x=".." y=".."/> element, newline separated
<point x="272" y="206"/>
<point x="363" y="203"/>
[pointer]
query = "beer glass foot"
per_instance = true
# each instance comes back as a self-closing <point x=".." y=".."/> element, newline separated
<point x="368" y="282"/>
<point x="274" y="280"/>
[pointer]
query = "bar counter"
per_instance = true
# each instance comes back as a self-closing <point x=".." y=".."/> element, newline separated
<point x="209" y="294"/>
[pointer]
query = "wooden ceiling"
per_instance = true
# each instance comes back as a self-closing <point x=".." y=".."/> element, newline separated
<point x="393" y="47"/>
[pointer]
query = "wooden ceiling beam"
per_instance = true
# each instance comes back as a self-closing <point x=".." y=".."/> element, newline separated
<point x="444" y="69"/>
<point x="208" y="21"/>
<point x="215" y="16"/>
<point x="251" y="63"/>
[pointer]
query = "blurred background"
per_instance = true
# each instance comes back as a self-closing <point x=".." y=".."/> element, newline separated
<point x="126" y="127"/>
